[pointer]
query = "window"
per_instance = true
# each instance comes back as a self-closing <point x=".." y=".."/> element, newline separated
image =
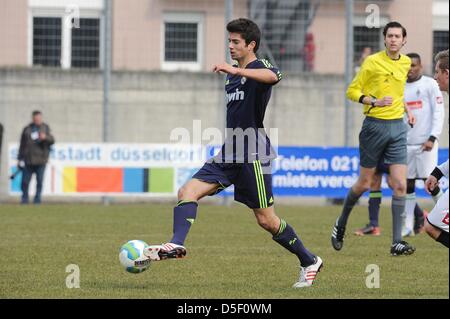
<point x="182" y="41"/>
<point x="440" y="27"/>
<point x="440" y="41"/>
<point x="364" y="38"/>
<point x="47" y="41"/>
<point x="65" y="33"/>
<point x="77" y="47"/>
<point x="86" y="44"/>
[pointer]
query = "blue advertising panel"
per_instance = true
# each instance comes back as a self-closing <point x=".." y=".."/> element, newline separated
<point x="159" y="169"/>
<point x="324" y="171"/>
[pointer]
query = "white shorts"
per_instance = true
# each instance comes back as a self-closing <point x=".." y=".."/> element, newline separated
<point x="421" y="163"/>
<point x="438" y="217"/>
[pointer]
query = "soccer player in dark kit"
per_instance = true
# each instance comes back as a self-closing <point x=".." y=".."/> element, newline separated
<point x="245" y="157"/>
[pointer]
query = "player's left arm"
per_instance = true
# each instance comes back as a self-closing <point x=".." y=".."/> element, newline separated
<point x="437" y="107"/>
<point x="263" y="75"/>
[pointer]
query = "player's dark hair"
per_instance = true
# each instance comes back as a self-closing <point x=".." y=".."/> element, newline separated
<point x="414" y="56"/>
<point x="394" y="24"/>
<point x="36" y="112"/>
<point x="248" y="30"/>
<point x="442" y="58"/>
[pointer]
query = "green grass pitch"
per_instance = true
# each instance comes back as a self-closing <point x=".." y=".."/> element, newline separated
<point x="229" y="255"/>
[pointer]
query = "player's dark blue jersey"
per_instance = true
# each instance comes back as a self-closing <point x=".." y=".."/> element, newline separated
<point x="247" y="101"/>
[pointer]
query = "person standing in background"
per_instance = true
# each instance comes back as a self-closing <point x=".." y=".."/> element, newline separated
<point x="34" y="151"/>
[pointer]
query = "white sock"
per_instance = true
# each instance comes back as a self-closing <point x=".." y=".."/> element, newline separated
<point x="410" y="204"/>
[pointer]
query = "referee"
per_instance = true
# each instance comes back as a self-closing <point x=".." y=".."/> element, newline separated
<point x="379" y="86"/>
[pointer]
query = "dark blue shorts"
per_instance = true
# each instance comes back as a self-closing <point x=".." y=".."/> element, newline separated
<point x="251" y="186"/>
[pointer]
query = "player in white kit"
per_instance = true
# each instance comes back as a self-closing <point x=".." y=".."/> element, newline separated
<point x="424" y="99"/>
<point x="437" y="221"/>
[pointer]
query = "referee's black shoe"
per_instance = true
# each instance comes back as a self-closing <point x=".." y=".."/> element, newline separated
<point x="337" y="236"/>
<point x="402" y="248"/>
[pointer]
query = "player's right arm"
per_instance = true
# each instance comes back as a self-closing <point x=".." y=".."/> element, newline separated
<point x="263" y="75"/>
<point x="355" y="89"/>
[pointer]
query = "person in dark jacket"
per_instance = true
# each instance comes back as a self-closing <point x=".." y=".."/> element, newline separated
<point x="33" y="155"/>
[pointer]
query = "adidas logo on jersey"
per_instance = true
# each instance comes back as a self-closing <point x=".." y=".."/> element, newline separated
<point x="235" y="96"/>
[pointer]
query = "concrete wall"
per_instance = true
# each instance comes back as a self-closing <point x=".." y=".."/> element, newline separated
<point x="307" y="110"/>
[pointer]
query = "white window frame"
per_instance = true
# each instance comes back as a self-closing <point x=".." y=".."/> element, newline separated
<point x="440" y="15"/>
<point x="57" y="9"/>
<point x="183" y="17"/>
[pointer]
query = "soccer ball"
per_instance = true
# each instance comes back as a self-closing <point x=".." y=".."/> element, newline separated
<point x="131" y="256"/>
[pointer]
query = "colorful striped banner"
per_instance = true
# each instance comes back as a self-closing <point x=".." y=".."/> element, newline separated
<point x="118" y="180"/>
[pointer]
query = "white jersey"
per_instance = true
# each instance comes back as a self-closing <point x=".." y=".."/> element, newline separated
<point x="438" y="217"/>
<point x="424" y="99"/>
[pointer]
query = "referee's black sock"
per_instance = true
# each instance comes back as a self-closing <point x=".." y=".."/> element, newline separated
<point x="374" y="207"/>
<point x="443" y="238"/>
